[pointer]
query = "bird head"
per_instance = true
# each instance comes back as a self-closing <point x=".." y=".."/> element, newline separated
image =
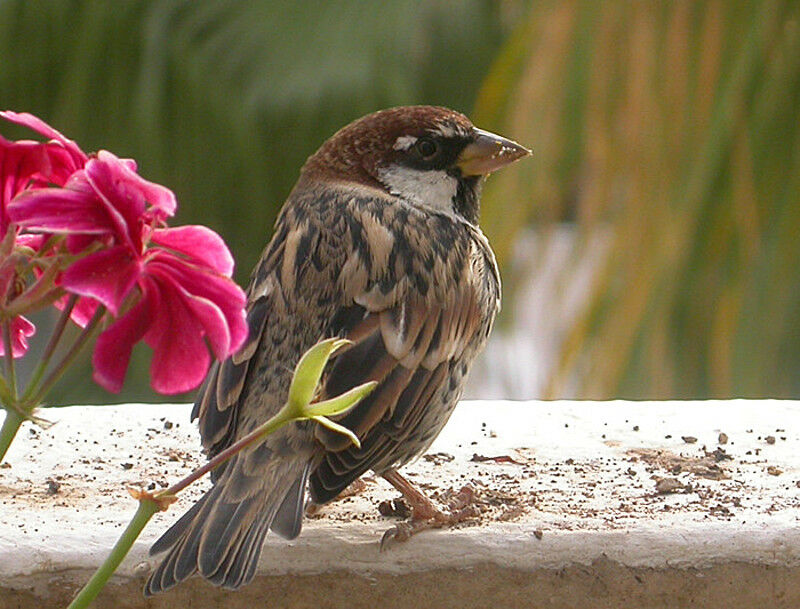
<point x="431" y="157"/>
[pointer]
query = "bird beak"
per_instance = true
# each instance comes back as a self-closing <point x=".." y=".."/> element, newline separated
<point x="487" y="153"/>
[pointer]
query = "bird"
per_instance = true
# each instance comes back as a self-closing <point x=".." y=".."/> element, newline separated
<point x="377" y="243"/>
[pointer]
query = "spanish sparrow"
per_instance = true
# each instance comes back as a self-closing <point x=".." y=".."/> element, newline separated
<point x="379" y="243"/>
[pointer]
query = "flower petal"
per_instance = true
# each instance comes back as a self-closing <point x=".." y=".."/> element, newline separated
<point x="59" y="210"/>
<point x="33" y="242"/>
<point x="116" y="180"/>
<point x="211" y="318"/>
<point x="220" y="290"/>
<point x="26" y="165"/>
<point x="83" y="310"/>
<point x="78" y="242"/>
<point x="33" y="122"/>
<point x="18" y="162"/>
<point x="112" y="352"/>
<point x="21" y="329"/>
<point x="107" y="276"/>
<point x="201" y="244"/>
<point x="180" y="355"/>
<point x="124" y="206"/>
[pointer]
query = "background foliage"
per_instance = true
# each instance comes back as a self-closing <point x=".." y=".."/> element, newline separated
<point x="670" y="129"/>
<point x="223" y="100"/>
<point x="673" y="128"/>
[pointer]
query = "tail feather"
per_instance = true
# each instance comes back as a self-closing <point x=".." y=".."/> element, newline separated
<point x="182" y="540"/>
<point x="173" y="569"/>
<point x="239" y="568"/>
<point x="169" y="572"/>
<point x="247" y="563"/>
<point x="173" y="534"/>
<point x="226" y="574"/>
<point x="289" y="518"/>
<point x="221" y="537"/>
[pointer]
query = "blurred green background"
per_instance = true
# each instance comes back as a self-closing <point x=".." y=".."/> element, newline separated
<point x="661" y="209"/>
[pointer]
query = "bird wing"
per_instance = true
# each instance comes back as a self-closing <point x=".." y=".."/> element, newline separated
<point x="410" y="343"/>
<point x="217" y="405"/>
<point x="410" y="314"/>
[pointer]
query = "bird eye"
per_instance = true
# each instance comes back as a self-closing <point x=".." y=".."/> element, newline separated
<point x="427" y="148"/>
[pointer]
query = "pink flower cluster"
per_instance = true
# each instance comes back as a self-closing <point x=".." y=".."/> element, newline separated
<point x="170" y="287"/>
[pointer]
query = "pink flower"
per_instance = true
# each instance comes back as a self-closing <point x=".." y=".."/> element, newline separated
<point x="28" y="164"/>
<point x="169" y="287"/>
<point x="182" y="303"/>
<point x="21" y="330"/>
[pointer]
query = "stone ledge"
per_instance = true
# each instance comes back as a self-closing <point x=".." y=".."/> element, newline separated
<point x="585" y="504"/>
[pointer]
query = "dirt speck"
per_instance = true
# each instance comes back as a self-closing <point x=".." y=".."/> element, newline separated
<point x="719" y="455"/>
<point x="708" y="466"/>
<point x="438" y="458"/>
<point x="666" y="486"/>
<point x="396" y="508"/>
<point x="511" y="513"/>
<point x="476" y="458"/>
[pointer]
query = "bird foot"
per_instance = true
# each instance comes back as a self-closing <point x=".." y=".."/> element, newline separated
<point x="424" y="514"/>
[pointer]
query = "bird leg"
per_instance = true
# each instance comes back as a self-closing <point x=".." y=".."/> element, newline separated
<point x="424" y="513"/>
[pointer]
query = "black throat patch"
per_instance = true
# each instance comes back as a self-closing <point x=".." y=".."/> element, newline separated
<point x="466" y="201"/>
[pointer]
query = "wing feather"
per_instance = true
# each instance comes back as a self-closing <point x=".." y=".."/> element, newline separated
<point x="408" y="350"/>
<point x="218" y="402"/>
<point x="340" y="468"/>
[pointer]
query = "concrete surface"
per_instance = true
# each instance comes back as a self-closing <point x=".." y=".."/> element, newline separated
<point x="583" y="504"/>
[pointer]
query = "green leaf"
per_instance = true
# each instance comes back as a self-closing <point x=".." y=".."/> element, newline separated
<point x="325" y="422"/>
<point x="341" y="403"/>
<point x="309" y="371"/>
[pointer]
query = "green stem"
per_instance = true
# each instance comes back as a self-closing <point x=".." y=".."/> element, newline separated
<point x="55" y="337"/>
<point x="279" y="420"/>
<point x="41" y="294"/>
<point x="9" y="357"/>
<point x="5" y="394"/>
<point x="306" y="375"/>
<point x="67" y="360"/>
<point x="9" y="430"/>
<point x="145" y="511"/>
<point x="19" y="410"/>
<point x="149" y="505"/>
<point x="9" y="240"/>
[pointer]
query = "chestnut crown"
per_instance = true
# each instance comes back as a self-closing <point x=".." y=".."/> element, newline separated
<point x="430" y="156"/>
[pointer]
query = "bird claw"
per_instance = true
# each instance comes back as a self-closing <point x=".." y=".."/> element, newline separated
<point x="393" y="535"/>
<point x="403" y="531"/>
<point x="462" y="499"/>
<point x="427" y="516"/>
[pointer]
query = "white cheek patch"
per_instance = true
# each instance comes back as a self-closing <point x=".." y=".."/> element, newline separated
<point x="404" y="142"/>
<point x="434" y="189"/>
